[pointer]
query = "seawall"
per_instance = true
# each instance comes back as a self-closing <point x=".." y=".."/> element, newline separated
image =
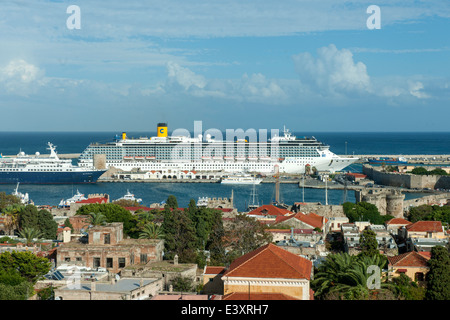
<point x="406" y="180"/>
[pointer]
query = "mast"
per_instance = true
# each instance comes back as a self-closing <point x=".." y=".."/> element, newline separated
<point x="277" y="184"/>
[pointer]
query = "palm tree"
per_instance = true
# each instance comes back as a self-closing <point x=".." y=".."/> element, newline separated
<point x="331" y="272"/>
<point x="97" y="218"/>
<point x="11" y="214"/>
<point x="29" y="234"/>
<point x="151" y="231"/>
<point x="348" y="276"/>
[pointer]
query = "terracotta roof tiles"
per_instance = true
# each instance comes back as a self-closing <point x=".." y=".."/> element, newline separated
<point x="270" y="261"/>
<point x="409" y="259"/>
<point x="425" y="226"/>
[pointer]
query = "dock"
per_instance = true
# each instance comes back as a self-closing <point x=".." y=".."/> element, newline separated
<point x="412" y="158"/>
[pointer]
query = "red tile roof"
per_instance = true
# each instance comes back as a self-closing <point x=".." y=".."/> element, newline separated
<point x="409" y="259"/>
<point x="270" y="210"/>
<point x="257" y="296"/>
<point x="311" y="219"/>
<point x="270" y="261"/>
<point x="425" y="226"/>
<point x="94" y="200"/>
<point x="398" y="221"/>
<point x="214" y="270"/>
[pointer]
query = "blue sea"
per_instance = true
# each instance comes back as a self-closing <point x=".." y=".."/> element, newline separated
<point x="340" y="143"/>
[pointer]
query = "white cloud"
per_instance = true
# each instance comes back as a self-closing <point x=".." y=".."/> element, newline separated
<point x="20" y="77"/>
<point x="184" y="77"/>
<point x="333" y="71"/>
<point x="253" y="88"/>
<point x="415" y="89"/>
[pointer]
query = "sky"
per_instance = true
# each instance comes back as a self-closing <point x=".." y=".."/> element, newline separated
<point x="307" y="65"/>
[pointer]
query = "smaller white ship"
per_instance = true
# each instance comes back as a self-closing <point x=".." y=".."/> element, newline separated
<point x="24" y="197"/>
<point x="77" y="197"/>
<point x="241" y="179"/>
<point x="129" y="196"/>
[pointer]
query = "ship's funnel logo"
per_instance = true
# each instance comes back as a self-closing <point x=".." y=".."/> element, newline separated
<point x="162" y="130"/>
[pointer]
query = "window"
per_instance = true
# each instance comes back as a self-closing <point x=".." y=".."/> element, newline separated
<point x="67" y="259"/>
<point x="419" y="276"/>
<point x="143" y="258"/>
<point x="121" y="262"/>
<point x="96" y="262"/>
<point x="109" y="262"/>
<point x="107" y="238"/>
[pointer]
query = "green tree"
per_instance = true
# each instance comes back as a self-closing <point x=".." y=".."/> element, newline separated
<point x="97" y="218"/>
<point x="7" y="200"/>
<point x="368" y="243"/>
<point x="25" y="264"/>
<point x="29" y="234"/>
<point x="68" y="224"/>
<point x="182" y="284"/>
<point x="347" y="277"/>
<point x="47" y="225"/>
<point x="29" y="217"/>
<point x="150" y="231"/>
<point x="21" y="291"/>
<point x="438" y="277"/>
<point x="406" y="289"/>
<point x="364" y="211"/>
<point x="113" y="213"/>
<point x="330" y="272"/>
<point x="179" y="236"/>
<point x="172" y="202"/>
<point x="245" y="235"/>
<point x="438" y="172"/>
<point x="215" y="243"/>
<point x="419" y="170"/>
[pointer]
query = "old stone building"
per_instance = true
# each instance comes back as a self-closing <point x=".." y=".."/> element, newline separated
<point x="105" y="247"/>
<point x="388" y="201"/>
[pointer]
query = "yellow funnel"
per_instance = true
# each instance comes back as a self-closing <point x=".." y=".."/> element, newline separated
<point x="162" y="129"/>
<point x="124" y="135"/>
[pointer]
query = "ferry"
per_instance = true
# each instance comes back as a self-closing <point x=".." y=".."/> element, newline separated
<point x="388" y="161"/>
<point x="68" y="202"/>
<point x="129" y="196"/>
<point x="23" y="197"/>
<point x="282" y="152"/>
<point x="35" y="169"/>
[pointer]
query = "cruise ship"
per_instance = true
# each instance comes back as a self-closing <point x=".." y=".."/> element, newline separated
<point x="26" y="169"/>
<point x="283" y="153"/>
